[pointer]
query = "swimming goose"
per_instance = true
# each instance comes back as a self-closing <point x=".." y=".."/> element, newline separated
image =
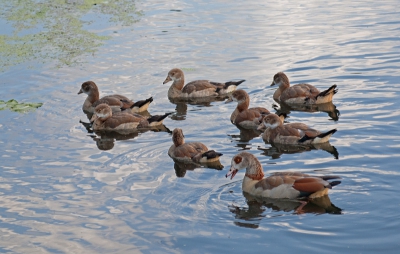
<point x="192" y="151"/>
<point x="244" y="116"/>
<point x="301" y="93"/>
<point x="116" y="102"/>
<point x="104" y="119"/>
<point x="289" y="185"/>
<point x="291" y="133"/>
<point x="198" y="88"/>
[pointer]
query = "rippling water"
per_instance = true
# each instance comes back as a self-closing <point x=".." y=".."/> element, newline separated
<point x="64" y="189"/>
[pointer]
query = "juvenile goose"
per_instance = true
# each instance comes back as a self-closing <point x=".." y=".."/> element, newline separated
<point x="116" y="102"/>
<point x="301" y="93"/>
<point x="198" y="88"/>
<point x="291" y="133"/>
<point x="104" y="119"/>
<point x="244" y="116"/>
<point x="281" y="184"/>
<point x="192" y="151"/>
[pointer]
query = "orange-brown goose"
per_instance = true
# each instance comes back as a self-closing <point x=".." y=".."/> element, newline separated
<point x="104" y="119"/>
<point x="301" y="93"/>
<point x="191" y="151"/>
<point x="198" y="88"/>
<point x="291" y="133"/>
<point x="116" y="102"/>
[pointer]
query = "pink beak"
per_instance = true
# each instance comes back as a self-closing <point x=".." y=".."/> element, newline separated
<point x="232" y="172"/>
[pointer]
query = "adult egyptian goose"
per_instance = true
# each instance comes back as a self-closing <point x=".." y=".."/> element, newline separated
<point x="192" y="151"/>
<point x="301" y="93"/>
<point x="116" y="102"/>
<point x="243" y="116"/>
<point x="291" y="133"/>
<point x="198" y="88"/>
<point x="281" y="184"/>
<point x="104" y="119"/>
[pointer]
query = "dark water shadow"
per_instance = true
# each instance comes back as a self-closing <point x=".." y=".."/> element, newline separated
<point x="182" y="105"/>
<point x="328" y="108"/>
<point x="182" y="167"/>
<point x="245" y="135"/>
<point x="276" y="150"/>
<point x="242" y="140"/>
<point x="105" y="140"/>
<point x="256" y="210"/>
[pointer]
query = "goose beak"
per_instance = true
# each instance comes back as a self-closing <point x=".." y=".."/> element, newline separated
<point x="229" y="100"/>
<point x="168" y="79"/>
<point x="80" y="91"/>
<point x="232" y="172"/>
<point x="93" y="118"/>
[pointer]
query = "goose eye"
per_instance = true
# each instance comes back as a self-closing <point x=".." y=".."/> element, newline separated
<point x="238" y="159"/>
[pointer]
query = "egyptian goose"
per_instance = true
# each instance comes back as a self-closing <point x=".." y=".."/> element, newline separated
<point x="104" y="119"/>
<point x="289" y="185"/>
<point x="198" y="88"/>
<point x="243" y="116"/>
<point x="192" y="151"/>
<point x="116" y="102"/>
<point x="301" y="93"/>
<point x="291" y="133"/>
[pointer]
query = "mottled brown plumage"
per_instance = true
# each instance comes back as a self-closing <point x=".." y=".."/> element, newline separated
<point x="104" y="119"/>
<point x="196" y="89"/>
<point x="300" y="93"/>
<point x="243" y="115"/>
<point x="116" y="102"/>
<point x="291" y="133"/>
<point x="192" y="151"/>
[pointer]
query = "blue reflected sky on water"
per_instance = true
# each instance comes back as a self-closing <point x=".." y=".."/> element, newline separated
<point x="61" y="193"/>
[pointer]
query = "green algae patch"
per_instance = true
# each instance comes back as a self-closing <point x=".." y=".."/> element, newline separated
<point x="20" y="107"/>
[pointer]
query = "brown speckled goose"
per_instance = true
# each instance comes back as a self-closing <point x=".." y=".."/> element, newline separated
<point x="243" y="116"/>
<point x="291" y="133"/>
<point x="104" y="119"/>
<point x="301" y="93"/>
<point x="289" y="185"/>
<point x="192" y="151"/>
<point x="116" y="102"/>
<point x="198" y="88"/>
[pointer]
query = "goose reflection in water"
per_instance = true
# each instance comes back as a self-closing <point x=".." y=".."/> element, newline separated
<point x="276" y="150"/>
<point x="328" y="107"/>
<point x="182" y="167"/>
<point x="251" y="216"/>
<point x="245" y="135"/>
<point x="182" y="105"/>
<point x="105" y="140"/>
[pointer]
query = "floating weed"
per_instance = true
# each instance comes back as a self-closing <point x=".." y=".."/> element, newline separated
<point x="187" y="69"/>
<point x="22" y="107"/>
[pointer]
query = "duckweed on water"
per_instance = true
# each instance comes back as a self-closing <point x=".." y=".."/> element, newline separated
<point x="22" y="107"/>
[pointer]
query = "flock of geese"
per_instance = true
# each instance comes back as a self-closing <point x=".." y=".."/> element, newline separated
<point x="117" y="112"/>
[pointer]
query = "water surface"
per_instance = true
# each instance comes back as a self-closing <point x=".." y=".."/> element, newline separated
<point x="60" y="193"/>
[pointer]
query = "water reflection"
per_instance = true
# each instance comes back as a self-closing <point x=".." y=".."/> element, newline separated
<point x="328" y="108"/>
<point x="182" y="167"/>
<point x="46" y="30"/>
<point x="251" y="216"/>
<point x="182" y="105"/>
<point x="245" y="135"/>
<point x="105" y="139"/>
<point x="276" y="150"/>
